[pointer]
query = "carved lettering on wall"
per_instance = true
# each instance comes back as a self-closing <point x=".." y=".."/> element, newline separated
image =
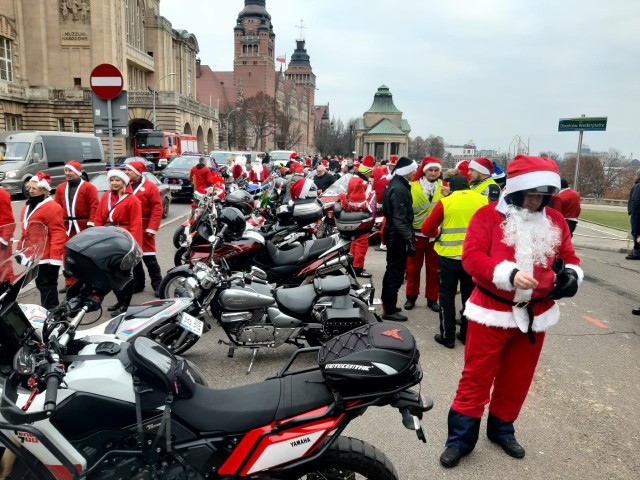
<point x="75" y="11"/>
<point x="74" y="37"/>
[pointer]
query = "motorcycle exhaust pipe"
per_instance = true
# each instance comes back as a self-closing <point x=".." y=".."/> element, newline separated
<point x="235" y="317"/>
<point x="333" y="264"/>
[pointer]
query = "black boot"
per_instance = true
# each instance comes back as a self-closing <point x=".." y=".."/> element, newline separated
<point x="462" y="438"/>
<point x="155" y="274"/>
<point x="503" y="434"/>
<point x="410" y="303"/>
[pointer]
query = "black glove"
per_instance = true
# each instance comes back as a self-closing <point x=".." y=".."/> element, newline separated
<point x="3" y="246"/>
<point x="566" y="284"/>
<point x="411" y="249"/>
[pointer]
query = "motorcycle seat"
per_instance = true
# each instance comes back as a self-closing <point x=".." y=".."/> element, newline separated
<point x="300" y="253"/>
<point x="295" y="301"/>
<point x="339" y="285"/>
<point x="248" y="407"/>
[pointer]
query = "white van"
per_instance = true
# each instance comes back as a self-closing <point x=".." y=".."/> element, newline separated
<point x="25" y="153"/>
<point x="280" y="156"/>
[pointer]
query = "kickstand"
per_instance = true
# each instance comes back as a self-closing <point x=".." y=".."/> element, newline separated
<point x="254" y="354"/>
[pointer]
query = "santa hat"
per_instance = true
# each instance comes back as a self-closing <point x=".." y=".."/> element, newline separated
<point x="427" y="163"/>
<point x="405" y="166"/>
<point x="482" y="165"/>
<point x="136" y="167"/>
<point x="358" y="193"/>
<point x="301" y="188"/>
<point x="295" y="167"/>
<point x="463" y="168"/>
<point x="74" y="166"/>
<point x="524" y="173"/>
<point x="325" y="162"/>
<point x="367" y="164"/>
<point x="43" y="180"/>
<point x="114" y="172"/>
<point x="293" y="155"/>
<point x="393" y="159"/>
<point x="498" y="173"/>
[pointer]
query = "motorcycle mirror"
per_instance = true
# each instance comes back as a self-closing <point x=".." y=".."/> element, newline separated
<point x="24" y="361"/>
<point x="224" y="264"/>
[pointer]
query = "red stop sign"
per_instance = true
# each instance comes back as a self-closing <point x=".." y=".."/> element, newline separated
<point x="106" y="81"/>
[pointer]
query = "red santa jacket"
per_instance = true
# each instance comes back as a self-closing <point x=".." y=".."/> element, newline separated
<point x="6" y="218"/>
<point x="237" y="171"/>
<point x="200" y="178"/>
<point x="380" y="180"/>
<point x="50" y="214"/>
<point x="151" y="207"/>
<point x="490" y="262"/>
<point x="82" y="209"/>
<point x="124" y="212"/>
<point x="260" y="176"/>
<point x="567" y="202"/>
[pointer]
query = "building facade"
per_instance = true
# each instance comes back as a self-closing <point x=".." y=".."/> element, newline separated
<point x="48" y="49"/>
<point x="382" y="131"/>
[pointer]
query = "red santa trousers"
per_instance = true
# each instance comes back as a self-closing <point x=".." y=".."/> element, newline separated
<point x="425" y="254"/>
<point x="502" y="357"/>
<point x="359" y="249"/>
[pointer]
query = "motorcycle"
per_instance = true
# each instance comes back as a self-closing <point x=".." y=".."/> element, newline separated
<point x="147" y="414"/>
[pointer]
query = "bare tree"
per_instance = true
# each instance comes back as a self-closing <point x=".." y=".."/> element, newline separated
<point x="288" y="131"/>
<point x="434" y="146"/>
<point x="591" y="177"/>
<point x="417" y="147"/>
<point x="260" y="117"/>
<point x="553" y="156"/>
<point x="616" y="168"/>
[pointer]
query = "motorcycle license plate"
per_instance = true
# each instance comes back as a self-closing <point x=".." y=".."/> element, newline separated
<point x="192" y="324"/>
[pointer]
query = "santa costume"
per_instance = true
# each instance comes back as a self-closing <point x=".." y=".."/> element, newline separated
<point x="513" y="250"/>
<point x="381" y="176"/>
<point x="425" y="194"/>
<point x="7" y="227"/>
<point x="258" y="173"/>
<point x="42" y="209"/>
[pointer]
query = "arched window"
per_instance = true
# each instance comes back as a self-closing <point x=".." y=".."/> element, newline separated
<point x="134" y="12"/>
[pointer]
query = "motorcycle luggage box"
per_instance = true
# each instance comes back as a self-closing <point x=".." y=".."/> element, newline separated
<point x="336" y="321"/>
<point x="307" y="211"/>
<point x="373" y="358"/>
<point x="354" y="224"/>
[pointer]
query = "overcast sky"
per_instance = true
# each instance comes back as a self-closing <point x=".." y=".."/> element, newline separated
<point x="481" y="70"/>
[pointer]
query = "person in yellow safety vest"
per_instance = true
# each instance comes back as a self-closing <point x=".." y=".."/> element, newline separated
<point x="426" y="190"/>
<point x="480" y="170"/>
<point x="450" y="217"/>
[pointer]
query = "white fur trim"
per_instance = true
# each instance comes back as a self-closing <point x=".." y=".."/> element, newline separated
<point x="412" y="167"/>
<point x="533" y="180"/>
<point x="133" y="169"/>
<point x="431" y="165"/>
<point x="50" y="262"/>
<point x="90" y="224"/>
<point x="151" y="231"/>
<point x="501" y="275"/>
<point x="73" y="169"/>
<point x="4" y="242"/>
<point x="114" y="172"/>
<point x="479" y="168"/>
<point x="578" y="270"/>
<point x="502" y="319"/>
<point x="306" y="186"/>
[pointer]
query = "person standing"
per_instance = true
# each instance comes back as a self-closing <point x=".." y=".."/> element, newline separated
<point x="360" y="197"/>
<point x="40" y="208"/>
<point x="480" y="170"/>
<point x="448" y="221"/>
<point x="567" y="202"/>
<point x="398" y="235"/>
<point x="120" y="208"/>
<point x="633" y="209"/>
<point x="259" y="172"/>
<point x="426" y="191"/>
<point x="200" y="176"/>
<point x="151" y="207"/>
<point x="323" y="180"/>
<point x="7" y="226"/>
<point x="521" y="258"/>
<point x="79" y="201"/>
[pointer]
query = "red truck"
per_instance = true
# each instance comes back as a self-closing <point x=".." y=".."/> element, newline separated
<point x="159" y="146"/>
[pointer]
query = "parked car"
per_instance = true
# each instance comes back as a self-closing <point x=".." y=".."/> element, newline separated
<point x="120" y="162"/>
<point x="280" y="156"/>
<point x="176" y="174"/>
<point x="102" y="184"/>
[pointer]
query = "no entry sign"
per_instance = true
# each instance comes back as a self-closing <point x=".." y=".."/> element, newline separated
<point x="106" y="81"/>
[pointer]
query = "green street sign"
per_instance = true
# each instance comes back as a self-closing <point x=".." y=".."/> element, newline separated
<point x="582" y="123"/>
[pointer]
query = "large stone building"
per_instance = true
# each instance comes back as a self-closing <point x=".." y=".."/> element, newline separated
<point x="254" y="71"/>
<point x="48" y="49"/>
<point x="382" y="131"/>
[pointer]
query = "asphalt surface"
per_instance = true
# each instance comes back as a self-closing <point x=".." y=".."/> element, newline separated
<point x="580" y="420"/>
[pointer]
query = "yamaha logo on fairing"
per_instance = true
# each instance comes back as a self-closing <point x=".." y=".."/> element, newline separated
<point x="301" y="441"/>
<point x="348" y="366"/>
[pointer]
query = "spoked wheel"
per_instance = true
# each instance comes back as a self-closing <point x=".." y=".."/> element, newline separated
<point x="178" y="285"/>
<point x="179" y="236"/>
<point x="175" y="341"/>
<point x="347" y="459"/>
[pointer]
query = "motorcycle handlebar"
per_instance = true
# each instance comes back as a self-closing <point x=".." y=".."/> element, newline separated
<point x="51" y="394"/>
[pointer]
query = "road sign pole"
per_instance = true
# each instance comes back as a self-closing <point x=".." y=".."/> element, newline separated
<point x="110" y="120"/>
<point x="575" y="176"/>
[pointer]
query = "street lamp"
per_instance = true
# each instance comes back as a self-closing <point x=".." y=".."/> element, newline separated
<point x="228" y="115"/>
<point x="154" y="95"/>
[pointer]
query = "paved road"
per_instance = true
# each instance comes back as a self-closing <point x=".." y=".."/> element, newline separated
<point x="580" y="420"/>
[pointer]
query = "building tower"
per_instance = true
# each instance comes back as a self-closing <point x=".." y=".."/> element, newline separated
<point x="254" y="47"/>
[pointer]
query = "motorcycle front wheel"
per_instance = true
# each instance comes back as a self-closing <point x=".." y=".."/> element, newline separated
<point x="177" y="285"/>
<point x="347" y="459"/>
<point x="181" y="256"/>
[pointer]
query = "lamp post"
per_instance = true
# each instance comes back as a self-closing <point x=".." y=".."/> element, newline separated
<point x="154" y="95"/>
<point x="228" y="115"/>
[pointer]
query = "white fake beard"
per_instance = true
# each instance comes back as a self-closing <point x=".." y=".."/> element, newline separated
<point x="257" y="169"/>
<point x="532" y="235"/>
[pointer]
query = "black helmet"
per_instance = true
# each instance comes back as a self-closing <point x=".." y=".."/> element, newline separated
<point x="240" y="199"/>
<point x="235" y="222"/>
<point x="102" y="257"/>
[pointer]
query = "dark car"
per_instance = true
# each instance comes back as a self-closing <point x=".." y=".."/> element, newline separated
<point x="120" y="162"/>
<point x="102" y="184"/>
<point x="176" y="175"/>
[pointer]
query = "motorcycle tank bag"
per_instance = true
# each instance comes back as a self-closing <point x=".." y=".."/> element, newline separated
<point x="353" y="224"/>
<point x="372" y="358"/>
<point x="307" y="211"/>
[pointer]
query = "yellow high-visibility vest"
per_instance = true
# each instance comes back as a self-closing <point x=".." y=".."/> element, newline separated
<point x="459" y="207"/>
<point x="421" y="205"/>
<point x="482" y="186"/>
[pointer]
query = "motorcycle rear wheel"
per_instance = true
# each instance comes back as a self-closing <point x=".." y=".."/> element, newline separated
<point x="347" y="459"/>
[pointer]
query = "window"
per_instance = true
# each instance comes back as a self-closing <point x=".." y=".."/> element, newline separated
<point x="188" y="82"/>
<point x="6" y="60"/>
<point x="77" y="82"/>
<point x="61" y="124"/>
<point x="134" y="25"/>
<point x="12" y="122"/>
<point x="75" y="126"/>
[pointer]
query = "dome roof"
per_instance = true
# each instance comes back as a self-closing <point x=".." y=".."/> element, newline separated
<point x="383" y="101"/>
<point x="254" y="8"/>
<point x="300" y="56"/>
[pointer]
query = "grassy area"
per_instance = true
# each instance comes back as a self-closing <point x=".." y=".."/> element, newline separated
<point x="618" y="220"/>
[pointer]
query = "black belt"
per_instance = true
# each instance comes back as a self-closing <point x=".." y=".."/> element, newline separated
<point x="69" y="219"/>
<point x="112" y="224"/>
<point x="527" y="304"/>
